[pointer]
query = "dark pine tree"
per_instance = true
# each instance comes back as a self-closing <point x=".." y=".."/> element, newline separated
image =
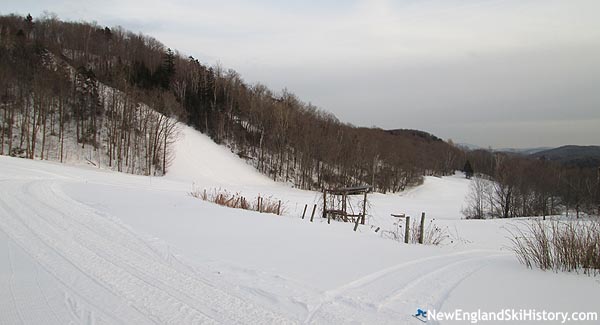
<point x="468" y="170"/>
<point x="166" y="71"/>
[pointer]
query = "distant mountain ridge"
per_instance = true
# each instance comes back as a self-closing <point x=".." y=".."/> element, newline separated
<point x="520" y="151"/>
<point x="581" y="156"/>
<point x="571" y="155"/>
<point x="524" y="151"/>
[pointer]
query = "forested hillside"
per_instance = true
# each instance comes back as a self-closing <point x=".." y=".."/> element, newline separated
<point x="117" y="92"/>
<point x="65" y="96"/>
<point x="511" y="185"/>
<point x="582" y="156"/>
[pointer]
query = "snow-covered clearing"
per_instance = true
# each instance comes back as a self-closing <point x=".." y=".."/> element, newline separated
<point x="84" y="245"/>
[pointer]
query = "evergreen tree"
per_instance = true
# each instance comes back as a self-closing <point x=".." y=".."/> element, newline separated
<point x="167" y="70"/>
<point x="468" y="170"/>
<point x="107" y="33"/>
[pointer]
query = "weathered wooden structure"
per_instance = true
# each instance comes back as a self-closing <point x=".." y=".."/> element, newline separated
<point x="336" y="204"/>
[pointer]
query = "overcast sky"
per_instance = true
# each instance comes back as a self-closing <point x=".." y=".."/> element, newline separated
<point x="501" y="73"/>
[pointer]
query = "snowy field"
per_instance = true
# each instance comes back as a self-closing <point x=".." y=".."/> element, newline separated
<point x="82" y="245"/>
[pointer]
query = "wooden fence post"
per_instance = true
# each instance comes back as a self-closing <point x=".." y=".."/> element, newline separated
<point x="324" y="202"/>
<point x="258" y="205"/>
<point x="304" y="213"/>
<point x="422" y="228"/>
<point x="344" y="206"/>
<point x="407" y="230"/>
<point x="364" y="209"/>
<point x="312" y="216"/>
<point x="279" y="208"/>
<point x="356" y="223"/>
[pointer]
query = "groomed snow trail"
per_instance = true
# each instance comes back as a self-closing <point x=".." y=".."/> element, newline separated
<point x="105" y="269"/>
<point x="393" y="294"/>
<point x="89" y="246"/>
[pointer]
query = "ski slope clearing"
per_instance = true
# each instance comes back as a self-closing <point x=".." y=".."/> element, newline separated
<point x="199" y="159"/>
<point x="85" y="245"/>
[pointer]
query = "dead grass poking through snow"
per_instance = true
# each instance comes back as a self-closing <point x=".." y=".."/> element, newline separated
<point x="560" y="245"/>
<point x="237" y="201"/>
<point x="433" y="234"/>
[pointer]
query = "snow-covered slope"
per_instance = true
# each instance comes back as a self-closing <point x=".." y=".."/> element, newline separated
<point x="83" y="245"/>
<point x="199" y="159"/>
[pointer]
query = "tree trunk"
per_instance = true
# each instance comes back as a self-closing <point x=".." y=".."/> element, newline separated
<point x="507" y="204"/>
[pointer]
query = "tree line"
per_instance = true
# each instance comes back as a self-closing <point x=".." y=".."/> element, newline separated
<point x="120" y="92"/>
<point x="511" y="185"/>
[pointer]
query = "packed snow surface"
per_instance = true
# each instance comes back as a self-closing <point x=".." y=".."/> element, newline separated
<point x="85" y="245"/>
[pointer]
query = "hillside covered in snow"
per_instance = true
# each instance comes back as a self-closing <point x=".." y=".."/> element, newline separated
<point x="87" y="245"/>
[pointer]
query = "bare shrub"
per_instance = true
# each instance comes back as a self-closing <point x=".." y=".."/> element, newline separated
<point x="269" y="205"/>
<point x="237" y="201"/>
<point x="479" y="200"/>
<point x="434" y="234"/>
<point x="560" y="245"/>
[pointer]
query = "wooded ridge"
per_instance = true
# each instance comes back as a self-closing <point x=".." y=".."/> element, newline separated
<point x="119" y="92"/>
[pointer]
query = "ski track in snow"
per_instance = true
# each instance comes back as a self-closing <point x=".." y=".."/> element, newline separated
<point x="100" y="260"/>
<point x="393" y="294"/>
<point x="111" y="275"/>
<point x="67" y="262"/>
